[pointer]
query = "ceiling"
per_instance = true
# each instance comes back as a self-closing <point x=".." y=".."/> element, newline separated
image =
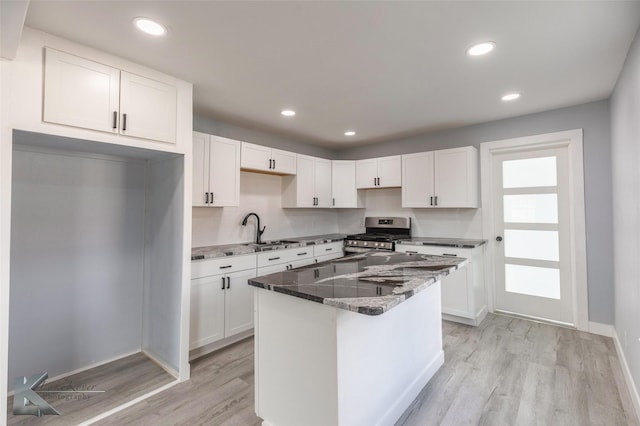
<point x="383" y="69"/>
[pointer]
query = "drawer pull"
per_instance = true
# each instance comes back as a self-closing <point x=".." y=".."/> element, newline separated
<point x="226" y="267"/>
<point x="302" y="254"/>
<point x="228" y="283"/>
<point x="449" y="254"/>
<point x="274" y="258"/>
<point x="223" y="283"/>
<point x="411" y="252"/>
<point x="329" y="249"/>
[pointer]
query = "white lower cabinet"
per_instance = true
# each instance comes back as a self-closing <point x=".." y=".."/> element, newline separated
<point x="464" y="297"/>
<point x="221" y="298"/>
<point x="328" y="251"/>
<point x="281" y="260"/>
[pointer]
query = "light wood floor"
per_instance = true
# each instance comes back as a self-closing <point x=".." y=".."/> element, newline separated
<point x="121" y="381"/>
<point x="508" y="371"/>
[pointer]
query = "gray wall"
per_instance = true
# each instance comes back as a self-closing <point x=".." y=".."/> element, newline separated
<point x="163" y="260"/>
<point x="220" y="128"/>
<point x="77" y="247"/>
<point x="594" y="119"/>
<point x="625" y="141"/>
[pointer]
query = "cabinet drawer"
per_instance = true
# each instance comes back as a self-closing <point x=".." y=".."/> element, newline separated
<point x="328" y="249"/>
<point x="222" y="265"/>
<point x="277" y="257"/>
<point x="435" y="250"/>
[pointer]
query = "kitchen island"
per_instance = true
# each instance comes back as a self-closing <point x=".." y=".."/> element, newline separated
<point x="350" y="341"/>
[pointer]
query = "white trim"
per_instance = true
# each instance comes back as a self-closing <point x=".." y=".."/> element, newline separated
<point x="161" y="363"/>
<point x="606" y="330"/>
<point x="633" y="390"/>
<point x="573" y="140"/>
<point x="88" y="367"/>
<point x="128" y="404"/>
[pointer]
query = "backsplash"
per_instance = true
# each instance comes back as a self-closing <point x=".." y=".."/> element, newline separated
<point x="259" y="193"/>
<point x="454" y="223"/>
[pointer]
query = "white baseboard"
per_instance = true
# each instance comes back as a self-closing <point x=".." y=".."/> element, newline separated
<point x="412" y="391"/>
<point x="88" y="367"/>
<point x="606" y="330"/>
<point x="633" y="390"/>
<point x="158" y="360"/>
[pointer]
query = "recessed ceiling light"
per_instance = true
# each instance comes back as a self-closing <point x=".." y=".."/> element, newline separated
<point x="288" y="113"/>
<point x="150" y="27"/>
<point x="481" y="48"/>
<point x="349" y="133"/>
<point x="511" y="97"/>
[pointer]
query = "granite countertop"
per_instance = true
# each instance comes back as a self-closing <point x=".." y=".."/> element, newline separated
<point x="444" y="242"/>
<point x="210" y="252"/>
<point x="369" y="283"/>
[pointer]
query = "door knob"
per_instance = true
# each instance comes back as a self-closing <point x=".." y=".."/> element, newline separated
<point x="498" y="238"/>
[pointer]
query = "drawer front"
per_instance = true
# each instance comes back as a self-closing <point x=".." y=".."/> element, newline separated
<point x="277" y="257"/>
<point x="435" y="250"/>
<point x="222" y="265"/>
<point x="328" y="249"/>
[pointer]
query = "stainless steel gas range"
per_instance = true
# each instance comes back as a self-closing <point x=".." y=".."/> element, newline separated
<point x="381" y="234"/>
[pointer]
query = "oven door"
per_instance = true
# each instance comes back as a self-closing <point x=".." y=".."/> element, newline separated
<point x="351" y="250"/>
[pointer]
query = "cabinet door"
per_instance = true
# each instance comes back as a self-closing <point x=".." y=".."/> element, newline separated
<point x="266" y="270"/>
<point x="284" y="161"/>
<point x="417" y="180"/>
<point x="148" y="108"/>
<point x="200" y="169"/>
<point x="366" y="173"/>
<point x="305" y="189"/>
<point x="456" y="177"/>
<point x="390" y="171"/>
<point x="80" y="93"/>
<point x="207" y="311"/>
<point x="224" y="172"/>
<point x="255" y="157"/>
<point x="238" y="303"/>
<point x="323" y="182"/>
<point x="343" y="184"/>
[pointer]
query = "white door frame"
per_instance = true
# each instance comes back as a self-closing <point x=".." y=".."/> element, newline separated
<point x="572" y="140"/>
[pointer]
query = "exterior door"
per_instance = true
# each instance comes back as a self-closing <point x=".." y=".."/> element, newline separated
<point x="532" y="223"/>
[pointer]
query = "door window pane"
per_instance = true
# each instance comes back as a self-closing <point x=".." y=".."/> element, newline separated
<point x="531" y="208"/>
<point x="530" y="172"/>
<point x="532" y="280"/>
<point x="524" y="244"/>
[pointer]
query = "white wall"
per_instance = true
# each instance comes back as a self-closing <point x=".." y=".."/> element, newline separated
<point x="259" y="193"/>
<point x="625" y="141"/>
<point x="77" y="249"/>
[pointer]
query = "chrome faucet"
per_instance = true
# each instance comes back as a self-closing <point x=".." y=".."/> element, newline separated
<point x="259" y="231"/>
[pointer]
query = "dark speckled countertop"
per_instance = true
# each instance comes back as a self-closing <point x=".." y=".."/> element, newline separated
<point x="444" y="242"/>
<point x="369" y="283"/>
<point x="210" y="252"/>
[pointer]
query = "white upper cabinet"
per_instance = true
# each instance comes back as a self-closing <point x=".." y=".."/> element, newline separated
<point x="270" y="160"/>
<point x="446" y="179"/>
<point x="80" y="93"/>
<point x="216" y="171"/>
<point x="147" y="108"/>
<point x="343" y="184"/>
<point x="311" y="186"/>
<point x="83" y="93"/>
<point x="384" y="172"/>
